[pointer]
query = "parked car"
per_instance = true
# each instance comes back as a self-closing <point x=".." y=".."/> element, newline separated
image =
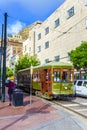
<point x="81" y="87"/>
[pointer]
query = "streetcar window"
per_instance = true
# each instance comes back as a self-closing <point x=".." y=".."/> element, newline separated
<point x="56" y="76"/>
<point x="48" y="75"/>
<point x="64" y="76"/>
<point x="70" y="76"/>
<point x="67" y="75"/>
<point x="36" y="77"/>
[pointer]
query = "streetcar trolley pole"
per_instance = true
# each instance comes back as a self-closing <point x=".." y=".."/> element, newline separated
<point x="31" y="73"/>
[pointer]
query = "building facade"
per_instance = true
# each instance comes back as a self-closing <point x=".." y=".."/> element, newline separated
<point x="29" y="44"/>
<point x="13" y="53"/>
<point x="61" y="32"/>
<point x="25" y="32"/>
<point x="15" y="38"/>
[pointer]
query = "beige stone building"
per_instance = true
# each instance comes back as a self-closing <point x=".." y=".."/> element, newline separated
<point x="15" y="38"/>
<point x="29" y="43"/>
<point x="13" y="53"/>
<point x="25" y="32"/>
<point x="61" y="32"/>
<point x="14" y="50"/>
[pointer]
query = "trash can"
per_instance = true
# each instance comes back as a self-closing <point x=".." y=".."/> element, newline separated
<point x="17" y="99"/>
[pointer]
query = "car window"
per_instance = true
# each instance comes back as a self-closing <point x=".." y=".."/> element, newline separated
<point x="85" y="83"/>
<point x="74" y="82"/>
<point x="79" y="83"/>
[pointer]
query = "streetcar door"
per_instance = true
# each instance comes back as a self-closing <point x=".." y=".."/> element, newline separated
<point x="42" y="80"/>
<point x="46" y="80"/>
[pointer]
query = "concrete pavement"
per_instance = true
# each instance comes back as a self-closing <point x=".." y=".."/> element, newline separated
<point x="39" y="115"/>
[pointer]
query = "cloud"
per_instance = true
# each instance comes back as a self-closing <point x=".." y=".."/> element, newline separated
<point x="15" y="27"/>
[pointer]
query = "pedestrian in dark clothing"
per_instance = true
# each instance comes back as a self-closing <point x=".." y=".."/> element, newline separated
<point x="11" y="86"/>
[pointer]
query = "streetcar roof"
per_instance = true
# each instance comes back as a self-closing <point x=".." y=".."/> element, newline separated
<point x="51" y="65"/>
<point x="56" y="64"/>
<point x="26" y="69"/>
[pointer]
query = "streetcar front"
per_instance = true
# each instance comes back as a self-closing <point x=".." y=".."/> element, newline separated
<point x="63" y="82"/>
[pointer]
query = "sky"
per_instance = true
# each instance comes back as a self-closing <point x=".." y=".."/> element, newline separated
<point x="22" y="13"/>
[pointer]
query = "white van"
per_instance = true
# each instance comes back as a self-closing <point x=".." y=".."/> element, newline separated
<point x="81" y="88"/>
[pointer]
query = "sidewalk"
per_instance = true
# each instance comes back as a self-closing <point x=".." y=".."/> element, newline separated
<point x="39" y="115"/>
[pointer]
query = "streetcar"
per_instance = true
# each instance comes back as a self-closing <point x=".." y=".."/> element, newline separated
<point x="51" y="80"/>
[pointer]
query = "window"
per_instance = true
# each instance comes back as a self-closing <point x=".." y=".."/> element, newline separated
<point x="79" y="83"/>
<point x="46" y="30"/>
<point x="86" y="23"/>
<point x="64" y="76"/>
<point x="57" y="58"/>
<point x="38" y="48"/>
<point x="14" y="51"/>
<point x="39" y="36"/>
<point x="25" y="48"/>
<point x="57" y="23"/>
<point x="46" y="44"/>
<point x="70" y="12"/>
<point x="29" y="49"/>
<point x="68" y="58"/>
<point x="46" y="60"/>
<point x="67" y="75"/>
<point x="85" y="83"/>
<point x="57" y="76"/>
<point x="85" y="1"/>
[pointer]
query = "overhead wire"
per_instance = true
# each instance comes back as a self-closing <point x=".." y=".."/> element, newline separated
<point x="62" y="32"/>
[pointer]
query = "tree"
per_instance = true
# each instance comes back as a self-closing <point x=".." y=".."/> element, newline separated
<point x="25" y="62"/>
<point x="9" y="72"/>
<point x="79" y="56"/>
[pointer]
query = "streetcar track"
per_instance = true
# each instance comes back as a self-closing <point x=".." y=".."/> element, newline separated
<point x="70" y="106"/>
<point x="67" y="107"/>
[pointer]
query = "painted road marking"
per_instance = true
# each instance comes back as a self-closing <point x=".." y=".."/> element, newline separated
<point x="71" y="105"/>
<point x="85" y="103"/>
<point x="81" y="110"/>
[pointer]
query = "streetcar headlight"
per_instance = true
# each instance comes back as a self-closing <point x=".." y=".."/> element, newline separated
<point x="65" y="87"/>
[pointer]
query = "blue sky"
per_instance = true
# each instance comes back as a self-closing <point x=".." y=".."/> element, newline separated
<point x="22" y="13"/>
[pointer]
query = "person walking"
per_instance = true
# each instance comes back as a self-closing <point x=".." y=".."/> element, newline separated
<point x="11" y="86"/>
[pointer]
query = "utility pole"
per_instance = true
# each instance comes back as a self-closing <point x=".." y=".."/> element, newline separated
<point x="31" y="72"/>
<point x="1" y="64"/>
<point x="4" y="58"/>
<point x="2" y="36"/>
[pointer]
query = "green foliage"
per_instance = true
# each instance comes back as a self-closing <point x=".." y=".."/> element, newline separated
<point x="9" y="72"/>
<point x="25" y="62"/>
<point x="79" y="56"/>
